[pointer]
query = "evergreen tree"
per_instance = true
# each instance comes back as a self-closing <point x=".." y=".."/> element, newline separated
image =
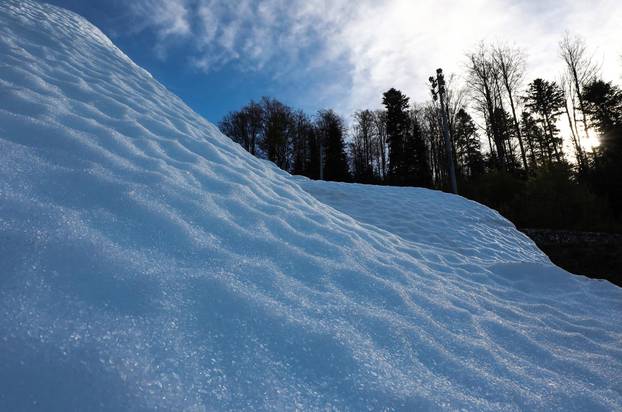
<point x="546" y="100"/>
<point x="396" y="104"/>
<point x="416" y="167"/>
<point x="505" y="132"/>
<point x="467" y="145"/>
<point x="331" y="129"/>
<point x="603" y="105"/>
<point x="534" y="137"/>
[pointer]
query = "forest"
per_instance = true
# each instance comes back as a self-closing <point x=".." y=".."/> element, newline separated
<point x="521" y="146"/>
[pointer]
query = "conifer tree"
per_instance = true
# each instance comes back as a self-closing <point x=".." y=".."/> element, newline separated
<point x="396" y="104"/>
<point x="468" y="147"/>
<point x="534" y="137"/>
<point x="603" y="104"/>
<point x="331" y="129"/>
<point x="505" y="132"/>
<point x="546" y="100"/>
<point x="416" y="166"/>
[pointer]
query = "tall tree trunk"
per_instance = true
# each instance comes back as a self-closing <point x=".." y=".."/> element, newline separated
<point x="491" y="117"/>
<point x="549" y="126"/>
<point x="581" y="105"/>
<point x="575" y="140"/>
<point x="531" y="149"/>
<point x="518" y="131"/>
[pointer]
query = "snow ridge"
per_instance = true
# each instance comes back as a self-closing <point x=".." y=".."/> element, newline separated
<point x="147" y="262"/>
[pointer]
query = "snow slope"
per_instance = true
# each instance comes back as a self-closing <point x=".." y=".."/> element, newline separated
<point x="147" y="262"/>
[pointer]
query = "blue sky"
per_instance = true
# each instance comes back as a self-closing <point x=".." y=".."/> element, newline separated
<point x="211" y="91"/>
<point x="311" y="54"/>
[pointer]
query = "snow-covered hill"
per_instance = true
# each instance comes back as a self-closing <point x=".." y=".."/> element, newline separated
<point x="147" y="262"/>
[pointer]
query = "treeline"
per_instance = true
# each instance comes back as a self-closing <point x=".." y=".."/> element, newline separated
<point x="528" y="169"/>
<point x="291" y="139"/>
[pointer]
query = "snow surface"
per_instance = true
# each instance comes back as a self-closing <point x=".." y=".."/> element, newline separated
<point x="147" y="262"/>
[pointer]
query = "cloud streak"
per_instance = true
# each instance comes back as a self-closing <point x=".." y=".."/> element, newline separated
<point x="371" y="46"/>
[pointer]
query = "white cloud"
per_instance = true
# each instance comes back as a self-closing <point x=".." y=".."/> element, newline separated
<point x="169" y="17"/>
<point x="374" y="45"/>
<point x="402" y="42"/>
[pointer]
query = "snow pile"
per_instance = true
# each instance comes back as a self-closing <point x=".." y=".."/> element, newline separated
<point x="149" y="263"/>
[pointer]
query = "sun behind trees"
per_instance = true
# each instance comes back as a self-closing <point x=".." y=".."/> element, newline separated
<point x="518" y="146"/>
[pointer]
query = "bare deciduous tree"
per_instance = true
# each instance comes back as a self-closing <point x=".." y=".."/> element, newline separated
<point x="580" y="69"/>
<point x="483" y="80"/>
<point x="570" y="108"/>
<point x="510" y="64"/>
<point x="364" y="146"/>
<point x="380" y="122"/>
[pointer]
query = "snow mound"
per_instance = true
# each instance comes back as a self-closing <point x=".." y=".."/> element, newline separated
<point x="431" y="219"/>
<point x="147" y="262"/>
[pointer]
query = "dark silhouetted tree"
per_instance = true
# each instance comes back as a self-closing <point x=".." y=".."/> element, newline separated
<point x="580" y="70"/>
<point x="469" y="156"/>
<point x="510" y="64"/>
<point x="545" y="100"/>
<point x="277" y="126"/>
<point x="603" y="105"/>
<point x="331" y="130"/>
<point x="380" y="124"/>
<point x="244" y="126"/>
<point x="535" y="140"/>
<point x="416" y="167"/>
<point x="484" y="82"/>
<point x="396" y="104"/>
<point x="302" y="146"/>
<point x="503" y="129"/>
<point x="602" y="102"/>
<point x="364" y="146"/>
